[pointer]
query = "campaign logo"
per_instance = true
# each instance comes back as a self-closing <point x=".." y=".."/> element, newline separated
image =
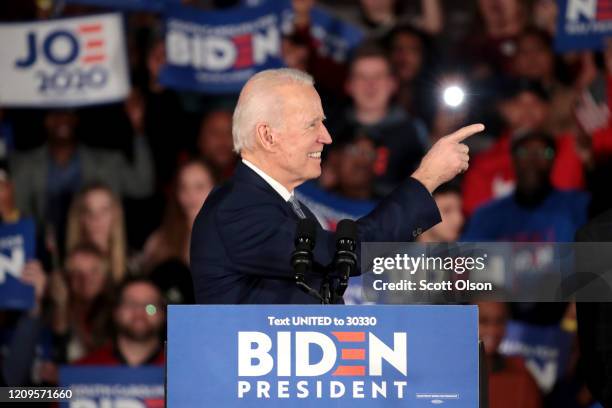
<point x="324" y="360"/>
<point x="211" y="50"/>
<point x="588" y="10"/>
<point x="66" y="59"/>
<point x="12" y="257"/>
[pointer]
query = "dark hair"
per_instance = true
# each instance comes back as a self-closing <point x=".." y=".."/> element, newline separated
<point x="133" y="280"/>
<point x="370" y="49"/>
<point x="513" y="87"/>
<point x="542" y="35"/>
<point x="519" y="139"/>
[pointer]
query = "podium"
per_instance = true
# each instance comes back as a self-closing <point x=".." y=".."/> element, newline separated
<point x="322" y="356"/>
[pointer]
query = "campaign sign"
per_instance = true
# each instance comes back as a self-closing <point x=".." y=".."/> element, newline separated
<point x="64" y="62"/>
<point x="17" y="245"/>
<point x="583" y="24"/>
<point x="335" y="37"/>
<point x="318" y="356"/>
<point x="218" y="51"/>
<point x="106" y="387"/>
<point x="546" y="350"/>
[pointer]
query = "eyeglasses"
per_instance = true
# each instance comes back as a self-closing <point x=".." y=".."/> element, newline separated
<point x="547" y="153"/>
<point x="150" y="308"/>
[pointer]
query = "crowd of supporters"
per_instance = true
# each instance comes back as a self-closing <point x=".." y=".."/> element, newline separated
<point x="114" y="189"/>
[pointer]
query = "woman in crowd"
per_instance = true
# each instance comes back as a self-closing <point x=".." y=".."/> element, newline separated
<point x="194" y="181"/>
<point x="96" y="218"/>
<point x="81" y="296"/>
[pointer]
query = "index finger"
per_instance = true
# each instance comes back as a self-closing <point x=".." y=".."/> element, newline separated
<point x="465" y="132"/>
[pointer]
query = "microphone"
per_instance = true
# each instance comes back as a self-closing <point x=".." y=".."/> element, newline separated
<point x="301" y="258"/>
<point x="345" y="260"/>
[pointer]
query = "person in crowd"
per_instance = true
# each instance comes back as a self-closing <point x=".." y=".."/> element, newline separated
<point x="525" y="107"/>
<point x="194" y="181"/>
<point x="96" y="218"/>
<point x="400" y="146"/>
<point x="594" y="124"/>
<point x="138" y="322"/>
<point x="448" y="200"/>
<point x="491" y="47"/>
<point x="215" y="143"/>
<point x="536" y="211"/>
<point x="351" y="196"/>
<point x="510" y="384"/>
<point x="304" y="51"/>
<point x="163" y="116"/>
<point x="377" y="17"/>
<point x="47" y="177"/>
<point x="410" y="51"/>
<point x="81" y="298"/>
<point x="535" y="60"/>
<point x="356" y="168"/>
<point x="8" y="210"/>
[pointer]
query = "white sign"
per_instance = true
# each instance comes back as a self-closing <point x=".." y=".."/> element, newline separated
<point x="64" y="62"/>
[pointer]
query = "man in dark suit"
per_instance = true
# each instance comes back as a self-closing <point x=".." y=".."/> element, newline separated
<point x="595" y="318"/>
<point x="243" y="237"/>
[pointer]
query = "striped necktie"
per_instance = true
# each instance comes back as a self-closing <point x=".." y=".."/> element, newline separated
<point x="297" y="209"/>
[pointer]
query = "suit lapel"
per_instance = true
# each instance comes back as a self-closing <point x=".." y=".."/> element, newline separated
<point x="244" y="174"/>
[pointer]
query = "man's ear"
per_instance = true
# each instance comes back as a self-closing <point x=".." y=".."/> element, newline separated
<point x="263" y="134"/>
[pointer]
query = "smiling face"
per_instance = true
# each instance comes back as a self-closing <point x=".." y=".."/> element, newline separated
<point x="371" y="83"/>
<point x="294" y="154"/>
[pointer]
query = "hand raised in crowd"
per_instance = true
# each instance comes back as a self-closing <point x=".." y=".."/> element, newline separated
<point x="446" y="158"/>
<point x="33" y="274"/>
<point x="135" y="110"/>
<point x="591" y="115"/>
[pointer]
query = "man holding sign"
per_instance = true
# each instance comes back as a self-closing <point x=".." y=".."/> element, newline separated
<point x="243" y="237"/>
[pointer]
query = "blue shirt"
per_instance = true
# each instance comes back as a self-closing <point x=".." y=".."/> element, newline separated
<point x="556" y="219"/>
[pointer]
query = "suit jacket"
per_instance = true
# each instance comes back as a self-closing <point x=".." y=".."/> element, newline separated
<point x="243" y="238"/>
<point x="595" y="322"/>
<point x="29" y="172"/>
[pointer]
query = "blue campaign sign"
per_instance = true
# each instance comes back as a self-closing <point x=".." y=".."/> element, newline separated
<point x="583" y="24"/>
<point x="101" y="387"/>
<point x="218" y="51"/>
<point x="335" y="37"/>
<point x="546" y="350"/>
<point x="317" y="356"/>
<point x="330" y="208"/>
<point x="17" y="245"/>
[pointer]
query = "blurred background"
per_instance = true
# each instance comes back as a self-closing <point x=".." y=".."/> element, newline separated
<point x="109" y="187"/>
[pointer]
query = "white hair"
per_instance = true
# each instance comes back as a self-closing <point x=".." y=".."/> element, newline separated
<point x="259" y="101"/>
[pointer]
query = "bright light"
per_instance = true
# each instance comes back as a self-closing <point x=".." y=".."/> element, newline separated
<point x="453" y="96"/>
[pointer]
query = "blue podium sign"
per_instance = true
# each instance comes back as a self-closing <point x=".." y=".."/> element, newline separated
<point x="315" y="356"/>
